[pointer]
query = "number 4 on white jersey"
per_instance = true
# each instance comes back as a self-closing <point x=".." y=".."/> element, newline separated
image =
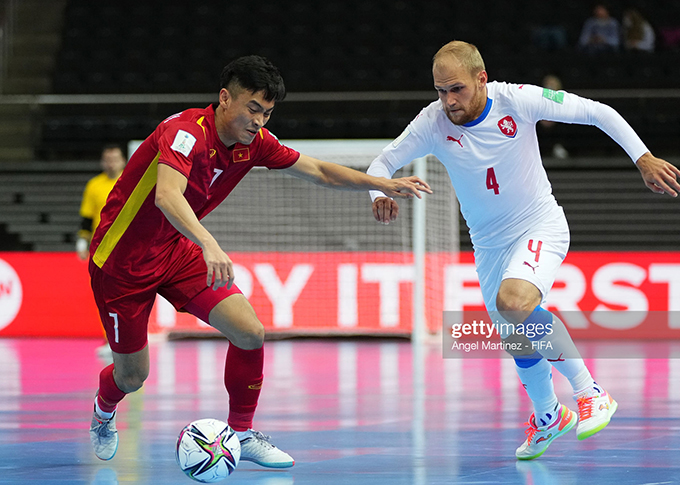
<point x="491" y="183"/>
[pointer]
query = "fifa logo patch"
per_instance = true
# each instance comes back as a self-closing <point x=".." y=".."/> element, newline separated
<point x="555" y="96"/>
<point x="183" y="142"/>
<point x="508" y="126"/>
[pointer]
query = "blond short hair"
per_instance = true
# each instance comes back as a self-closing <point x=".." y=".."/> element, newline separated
<point x="465" y="53"/>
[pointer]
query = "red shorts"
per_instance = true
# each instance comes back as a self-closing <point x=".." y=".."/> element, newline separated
<point x="125" y="305"/>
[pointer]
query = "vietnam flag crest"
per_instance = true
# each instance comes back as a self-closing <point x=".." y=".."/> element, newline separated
<point x="241" y="154"/>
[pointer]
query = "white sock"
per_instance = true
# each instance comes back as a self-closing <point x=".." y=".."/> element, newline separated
<point x="576" y="371"/>
<point x="243" y="434"/>
<point x="102" y="414"/>
<point x="564" y="356"/>
<point x="592" y="389"/>
<point x="537" y="381"/>
<point x="557" y="346"/>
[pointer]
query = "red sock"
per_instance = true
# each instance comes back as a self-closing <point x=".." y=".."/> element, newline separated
<point x="243" y="380"/>
<point x="108" y="395"/>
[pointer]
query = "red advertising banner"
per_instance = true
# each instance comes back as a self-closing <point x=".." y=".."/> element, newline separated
<point x="598" y="295"/>
<point x="350" y="293"/>
<point x="46" y="295"/>
<point x="338" y="293"/>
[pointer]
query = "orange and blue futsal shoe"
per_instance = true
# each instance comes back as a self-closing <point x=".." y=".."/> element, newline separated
<point x="595" y="409"/>
<point x="538" y="439"/>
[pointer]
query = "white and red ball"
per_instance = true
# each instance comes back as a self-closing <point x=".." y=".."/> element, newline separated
<point x="208" y="450"/>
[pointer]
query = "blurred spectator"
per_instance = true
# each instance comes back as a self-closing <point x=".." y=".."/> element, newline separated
<point x="601" y="32"/>
<point x="547" y="127"/>
<point x="547" y="33"/>
<point x="550" y="37"/>
<point x="638" y="34"/>
<point x="94" y="197"/>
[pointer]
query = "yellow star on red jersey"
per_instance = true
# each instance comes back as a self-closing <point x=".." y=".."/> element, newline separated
<point x="241" y="154"/>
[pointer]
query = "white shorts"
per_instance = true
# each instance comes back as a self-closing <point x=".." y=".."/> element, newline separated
<point x="535" y="257"/>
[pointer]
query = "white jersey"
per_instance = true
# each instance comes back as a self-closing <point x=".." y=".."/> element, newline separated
<point x="494" y="161"/>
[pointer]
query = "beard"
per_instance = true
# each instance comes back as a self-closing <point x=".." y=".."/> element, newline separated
<point x="469" y="113"/>
<point x="461" y="117"/>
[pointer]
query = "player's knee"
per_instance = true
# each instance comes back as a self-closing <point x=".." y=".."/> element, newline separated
<point x="131" y="381"/>
<point x="251" y="339"/>
<point x="514" y="307"/>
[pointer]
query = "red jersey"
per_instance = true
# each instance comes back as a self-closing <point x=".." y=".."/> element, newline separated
<point x="134" y="238"/>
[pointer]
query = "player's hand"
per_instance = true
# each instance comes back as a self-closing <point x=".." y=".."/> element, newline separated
<point x="385" y="210"/>
<point x="83" y="248"/>
<point x="405" y="187"/>
<point x="659" y="175"/>
<point x="220" y="267"/>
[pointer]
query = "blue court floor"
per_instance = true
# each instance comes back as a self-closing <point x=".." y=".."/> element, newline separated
<point x="349" y="411"/>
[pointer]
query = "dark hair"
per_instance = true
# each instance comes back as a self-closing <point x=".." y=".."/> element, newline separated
<point x="254" y="73"/>
<point x="113" y="146"/>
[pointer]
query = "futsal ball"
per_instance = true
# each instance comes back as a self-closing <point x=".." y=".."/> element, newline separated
<point x="208" y="450"/>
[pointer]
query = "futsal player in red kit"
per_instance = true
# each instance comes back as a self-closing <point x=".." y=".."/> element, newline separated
<point x="150" y="240"/>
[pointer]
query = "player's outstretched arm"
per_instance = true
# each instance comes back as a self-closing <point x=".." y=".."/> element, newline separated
<point x="659" y="175"/>
<point x="170" y="187"/>
<point x="338" y="177"/>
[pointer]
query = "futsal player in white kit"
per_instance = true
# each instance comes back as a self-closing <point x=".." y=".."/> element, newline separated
<point x="484" y="134"/>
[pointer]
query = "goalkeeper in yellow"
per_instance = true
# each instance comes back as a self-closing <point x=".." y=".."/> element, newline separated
<point x="94" y="196"/>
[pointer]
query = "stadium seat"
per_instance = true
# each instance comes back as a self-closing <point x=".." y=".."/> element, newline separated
<point x="361" y="46"/>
